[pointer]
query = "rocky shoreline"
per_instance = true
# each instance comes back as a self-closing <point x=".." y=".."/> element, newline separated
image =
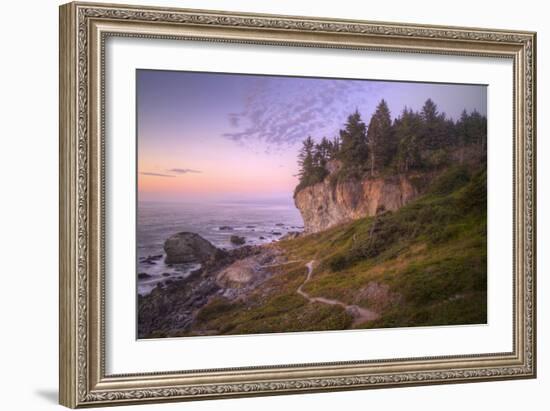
<point x="172" y="306"/>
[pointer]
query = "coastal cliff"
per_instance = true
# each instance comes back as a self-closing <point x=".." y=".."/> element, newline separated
<point x="327" y="204"/>
<point x="336" y="200"/>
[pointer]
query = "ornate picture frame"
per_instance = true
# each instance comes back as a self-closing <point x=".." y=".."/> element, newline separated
<point x="84" y="29"/>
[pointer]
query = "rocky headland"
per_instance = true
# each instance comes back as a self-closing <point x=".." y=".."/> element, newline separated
<point x="329" y="203"/>
<point x="336" y="200"/>
<point x="171" y="308"/>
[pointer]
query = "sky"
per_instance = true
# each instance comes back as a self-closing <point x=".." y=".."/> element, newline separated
<point x="205" y="136"/>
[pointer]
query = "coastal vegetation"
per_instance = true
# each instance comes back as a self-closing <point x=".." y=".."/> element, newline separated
<point x="424" y="141"/>
<point x="395" y="215"/>
<point x="422" y="265"/>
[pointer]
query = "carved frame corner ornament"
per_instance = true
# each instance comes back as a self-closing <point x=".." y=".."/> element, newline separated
<point x="83" y="30"/>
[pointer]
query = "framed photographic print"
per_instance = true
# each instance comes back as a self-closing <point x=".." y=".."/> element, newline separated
<point x="258" y="204"/>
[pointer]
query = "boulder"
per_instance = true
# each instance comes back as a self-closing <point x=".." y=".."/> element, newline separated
<point x="238" y="274"/>
<point x="186" y="247"/>
<point x="237" y="240"/>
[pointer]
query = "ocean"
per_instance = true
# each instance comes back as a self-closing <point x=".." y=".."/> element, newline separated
<point x="260" y="222"/>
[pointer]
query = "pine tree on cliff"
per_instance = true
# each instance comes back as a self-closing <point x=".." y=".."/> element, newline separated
<point x="335" y="147"/>
<point x="305" y="160"/>
<point x="476" y="129"/>
<point x="469" y="129"/>
<point x="433" y="129"/>
<point x="381" y="139"/>
<point x="406" y="128"/>
<point x="312" y="160"/>
<point x="353" y="144"/>
<point x="321" y="155"/>
<point x="323" y="152"/>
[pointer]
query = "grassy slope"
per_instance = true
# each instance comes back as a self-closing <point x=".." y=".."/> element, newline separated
<point x="429" y="258"/>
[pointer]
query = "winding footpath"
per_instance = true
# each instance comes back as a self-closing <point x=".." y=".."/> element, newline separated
<point x="360" y="315"/>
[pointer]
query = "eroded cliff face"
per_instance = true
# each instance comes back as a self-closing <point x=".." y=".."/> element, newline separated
<point x="326" y="204"/>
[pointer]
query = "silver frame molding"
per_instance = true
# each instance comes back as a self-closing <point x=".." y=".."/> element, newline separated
<point x="84" y="27"/>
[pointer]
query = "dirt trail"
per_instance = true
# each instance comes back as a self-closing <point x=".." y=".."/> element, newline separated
<point x="360" y="315"/>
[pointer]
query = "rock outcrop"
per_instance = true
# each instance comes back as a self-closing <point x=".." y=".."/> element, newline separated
<point x="170" y="309"/>
<point x="238" y="274"/>
<point x="237" y="240"/>
<point x="326" y="204"/>
<point x="251" y="270"/>
<point x="335" y="200"/>
<point x="188" y="247"/>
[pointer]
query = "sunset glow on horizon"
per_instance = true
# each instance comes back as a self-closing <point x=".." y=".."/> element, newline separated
<point x="226" y="136"/>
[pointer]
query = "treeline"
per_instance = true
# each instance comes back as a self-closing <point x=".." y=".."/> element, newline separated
<point x="414" y="140"/>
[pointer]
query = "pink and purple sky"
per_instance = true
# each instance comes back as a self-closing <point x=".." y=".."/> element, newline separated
<point x="209" y="136"/>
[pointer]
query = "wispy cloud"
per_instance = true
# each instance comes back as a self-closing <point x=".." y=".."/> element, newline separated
<point x="279" y="112"/>
<point x="146" y="173"/>
<point x="183" y="170"/>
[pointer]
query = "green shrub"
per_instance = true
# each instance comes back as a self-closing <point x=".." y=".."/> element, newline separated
<point x="338" y="262"/>
<point x="474" y="195"/>
<point x="452" y="179"/>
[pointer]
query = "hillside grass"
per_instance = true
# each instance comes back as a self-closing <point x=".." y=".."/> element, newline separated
<point x="429" y="259"/>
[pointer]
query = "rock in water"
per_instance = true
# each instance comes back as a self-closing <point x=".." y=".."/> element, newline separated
<point x="237" y="240"/>
<point x="188" y="247"/>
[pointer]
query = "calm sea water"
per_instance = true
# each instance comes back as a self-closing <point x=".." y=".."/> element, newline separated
<point x="259" y="222"/>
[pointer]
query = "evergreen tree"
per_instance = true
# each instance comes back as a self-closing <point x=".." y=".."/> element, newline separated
<point x="429" y="112"/>
<point x="335" y="150"/>
<point x="433" y="128"/>
<point x="353" y="144"/>
<point x="381" y="141"/>
<point x="406" y="129"/>
<point x="461" y="126"/>
<point x="323" y="152"/>
<point x="429" y="117"/>
<point x="476" y="129"/>
<point x="305" y="160"/>
<point x="450" y="132"/>
<point x="425" y="140"/>
<point x="321" y="155"/>
<point x="471" y="129"/>
<point x="312" y="160"/>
